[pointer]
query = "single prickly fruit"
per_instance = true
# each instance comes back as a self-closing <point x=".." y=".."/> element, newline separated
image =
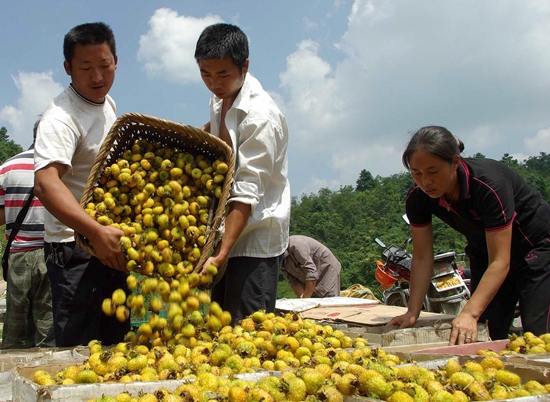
<point x="108" y="307"/>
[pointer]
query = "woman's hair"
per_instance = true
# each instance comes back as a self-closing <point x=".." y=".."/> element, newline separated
<point x="94" y="33"/>
<point x="436" y="140"/>
<point x="222" y="40"/>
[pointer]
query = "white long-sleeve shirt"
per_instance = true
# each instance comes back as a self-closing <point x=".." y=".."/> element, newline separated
<point x="259" y="135"/>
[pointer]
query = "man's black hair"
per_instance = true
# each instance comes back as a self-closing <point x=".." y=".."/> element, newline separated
<point x="35" y="128"/>
<point x="93" y="33"/>
<point x="222" y="40"/>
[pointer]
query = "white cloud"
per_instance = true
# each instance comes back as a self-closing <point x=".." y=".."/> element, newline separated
<point x="539" y="143"/>
<point x="309" y="24"/>
<point x="36" y="91"/>
<point x="482" y="137"/>
<point x="167" y="49"/>
<point x="370" y="12"/>
<point x="314" y="184"/>
<point x="314" y="102"/>
<point x="520" y="157"/>
<point x="349" y="161"/>
<point x="478" y="68"/>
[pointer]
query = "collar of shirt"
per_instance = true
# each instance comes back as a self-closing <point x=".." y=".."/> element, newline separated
<point x="241" y="102"/>
<point x="463" y="174"/>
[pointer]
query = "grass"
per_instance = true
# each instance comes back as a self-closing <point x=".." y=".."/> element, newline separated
<point x="284" y="291"/>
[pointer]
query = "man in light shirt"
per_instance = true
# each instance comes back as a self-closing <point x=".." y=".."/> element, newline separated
<point x="70" y="134"/>
<point x="257" y="224"/>
<point x="310" y="268"/>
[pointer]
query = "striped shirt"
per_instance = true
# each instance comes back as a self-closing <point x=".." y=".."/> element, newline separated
<point x="16" y="181"/>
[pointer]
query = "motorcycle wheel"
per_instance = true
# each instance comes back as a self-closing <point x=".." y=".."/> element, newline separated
<point x="395" y="299"/>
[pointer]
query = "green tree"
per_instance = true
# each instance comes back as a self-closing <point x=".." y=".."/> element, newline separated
<point x="478" y="155"/>
<point x="8" y="148"/>
<point x="540" y="163"/>
<point x="512" y="162"/>
<point x="365" y="181"/>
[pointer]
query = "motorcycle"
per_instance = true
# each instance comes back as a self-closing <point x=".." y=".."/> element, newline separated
<point x="448" y="292"/>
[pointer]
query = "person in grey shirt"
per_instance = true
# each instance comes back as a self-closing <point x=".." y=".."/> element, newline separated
<point x="310" y="268"/>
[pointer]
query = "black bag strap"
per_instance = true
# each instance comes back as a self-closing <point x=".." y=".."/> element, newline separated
<point x="19" y="220"/>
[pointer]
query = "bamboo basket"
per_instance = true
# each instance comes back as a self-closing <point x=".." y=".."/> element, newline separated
<point x="132" y="126"/>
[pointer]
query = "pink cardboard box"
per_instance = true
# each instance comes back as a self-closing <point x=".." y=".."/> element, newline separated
<point x="468" y="349"/>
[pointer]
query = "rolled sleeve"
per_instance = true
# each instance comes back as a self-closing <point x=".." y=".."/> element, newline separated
<point x="256" y="160"/>
<point x="302" y="256"/>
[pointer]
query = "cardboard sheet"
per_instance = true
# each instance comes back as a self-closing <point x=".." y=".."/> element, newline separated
<point x="300" y="305"/>
<point x="370" y="321"/>
<point x="373" y="315"/>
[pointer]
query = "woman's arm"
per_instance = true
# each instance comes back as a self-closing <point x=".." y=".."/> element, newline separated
<point x="499" y="248"/>
<point x="421" y="274"/>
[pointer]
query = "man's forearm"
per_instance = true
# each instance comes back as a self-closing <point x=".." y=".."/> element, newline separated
<point x="298" y="289"/>
<point x="310" y="288"/>
<point x="234" y="224"/>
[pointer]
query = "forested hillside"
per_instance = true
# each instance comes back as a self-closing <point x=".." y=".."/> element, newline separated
<point x="349" y="219"/>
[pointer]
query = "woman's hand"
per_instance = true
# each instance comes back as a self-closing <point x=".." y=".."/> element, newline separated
<point x="464" y="329"/>
<point x="403" y="321"/>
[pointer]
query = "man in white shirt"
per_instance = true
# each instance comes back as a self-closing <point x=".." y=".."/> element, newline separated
<point x="257" y="223"/>
<point x="70" y="135"/>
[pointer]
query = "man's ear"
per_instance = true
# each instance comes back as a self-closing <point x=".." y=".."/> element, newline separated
<point x="245" y="66"/>
<point x="67" y="67"/>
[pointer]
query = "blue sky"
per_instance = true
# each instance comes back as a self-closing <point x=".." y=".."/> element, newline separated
<point x="354" y="78"/>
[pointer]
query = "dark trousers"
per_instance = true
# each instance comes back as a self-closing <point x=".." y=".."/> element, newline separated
<point x="528" y="282"/>
<point x="248" y="285"/>
<point x="79" y="283"/>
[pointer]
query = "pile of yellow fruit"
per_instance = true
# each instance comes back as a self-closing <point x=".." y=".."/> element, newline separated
<point x="528" y="343"/>
<point x="472" y="381"/>
<point x="261" y="341"/>
<point x="447" y="282"/>
<point x="313" y="362"/>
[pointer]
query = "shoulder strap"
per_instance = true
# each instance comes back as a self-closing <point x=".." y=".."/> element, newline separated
<point x="19" y="220"/>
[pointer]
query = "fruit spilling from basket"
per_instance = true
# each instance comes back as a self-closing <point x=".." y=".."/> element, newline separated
<point x="162" y="199"/>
